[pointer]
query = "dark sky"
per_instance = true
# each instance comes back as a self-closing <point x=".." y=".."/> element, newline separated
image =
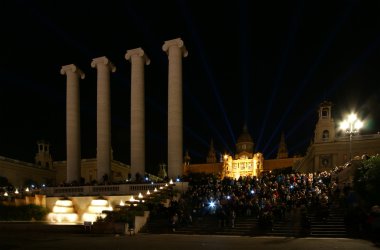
<point x="267" y="64"/>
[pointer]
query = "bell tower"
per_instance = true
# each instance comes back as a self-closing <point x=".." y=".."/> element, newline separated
<point x="43" y="157"/>
<point x="325" y="128"/>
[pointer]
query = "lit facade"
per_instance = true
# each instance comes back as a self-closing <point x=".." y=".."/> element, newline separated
<point x="245" y="163"/>
<point x="243" y="166"/>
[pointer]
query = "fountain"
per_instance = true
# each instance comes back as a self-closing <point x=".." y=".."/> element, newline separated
<point x="95" y="210"/>
<point x="63" y="212"/>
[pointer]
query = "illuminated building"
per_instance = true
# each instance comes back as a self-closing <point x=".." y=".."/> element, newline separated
<point x="329" y="148"/>
<point x="245" y="162"/>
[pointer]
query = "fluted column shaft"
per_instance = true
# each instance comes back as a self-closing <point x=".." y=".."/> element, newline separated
<point x="103" y="123"/>
<point x="137" y="58"/>
<point x="176" y="50"/>
<point x="73" y="143"/>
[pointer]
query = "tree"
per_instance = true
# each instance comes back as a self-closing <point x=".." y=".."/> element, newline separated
<point x="367" y="179"/>
<point x="4" y="182"/>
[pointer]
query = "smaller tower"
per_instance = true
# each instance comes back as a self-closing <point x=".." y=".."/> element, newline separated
<point x="282" y="149"/>
<point x="43" y="157"/>
<point x="211" y="157"/>
<point x="162" y="173"/>
<point x="186" y="162"/>
<point x="187" y="158"/>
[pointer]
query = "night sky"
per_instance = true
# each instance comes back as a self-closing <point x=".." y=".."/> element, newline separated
<point x="267" y="64"/>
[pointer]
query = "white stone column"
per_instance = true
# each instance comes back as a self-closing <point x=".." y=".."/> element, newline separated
<point x="175" y="50"/>
<point x="73" y="143"/>
<point x="138" y="58"/>
<point x="103" y="123"/>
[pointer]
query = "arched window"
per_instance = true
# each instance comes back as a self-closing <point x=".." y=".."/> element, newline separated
<point x="325" y="135"/>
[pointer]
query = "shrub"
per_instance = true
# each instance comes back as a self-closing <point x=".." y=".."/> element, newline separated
<point x="125" y="214"/>
<point x="367" y="179"/>
<point x="26" y="212"/>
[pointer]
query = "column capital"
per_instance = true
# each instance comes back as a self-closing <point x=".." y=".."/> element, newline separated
<point x="103" y="60"/>
<point x="137" y="52"/>
<point x="175" y="42"/>
<point x="72" y="68"/>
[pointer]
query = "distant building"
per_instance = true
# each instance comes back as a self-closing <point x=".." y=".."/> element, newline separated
<point x="52" y="173"/>
<point x="245" y="162"/>
<point x="329" y="148"/>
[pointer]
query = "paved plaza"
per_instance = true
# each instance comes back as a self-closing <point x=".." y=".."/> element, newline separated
<point x="29" y="239"/>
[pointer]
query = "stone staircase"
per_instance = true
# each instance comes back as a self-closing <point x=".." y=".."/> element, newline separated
<point x="286" y="229"/>
<point x="244" y="225"/>
<point x="209" y="225"/>
<point x="206" y="225"/>
<point x="156" y="225"/>
<point x="333" y="226"/>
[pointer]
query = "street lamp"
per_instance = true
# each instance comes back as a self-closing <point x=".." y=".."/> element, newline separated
<point x="225" y="165"/>
<point x="351" y="126"/>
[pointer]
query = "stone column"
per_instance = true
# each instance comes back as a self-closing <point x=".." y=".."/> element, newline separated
<point x="73" y="144"/>
<point x="138" y="58"/>
<point x="103" y="123"/>
<point x="175" y="50"/>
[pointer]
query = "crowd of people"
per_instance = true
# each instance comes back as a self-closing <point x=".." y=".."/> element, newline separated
<point x="271" y="198"/>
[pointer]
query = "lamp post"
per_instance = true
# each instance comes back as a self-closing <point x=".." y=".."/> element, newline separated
<point x="351" y="127"/>
<point x="225" y="165"/>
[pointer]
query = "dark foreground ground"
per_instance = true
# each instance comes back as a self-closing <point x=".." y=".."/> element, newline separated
<point x="164" y="242"/>
<point x="27" y="236"/>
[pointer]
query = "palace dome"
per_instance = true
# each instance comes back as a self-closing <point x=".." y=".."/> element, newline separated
<point x="245" y="136"/>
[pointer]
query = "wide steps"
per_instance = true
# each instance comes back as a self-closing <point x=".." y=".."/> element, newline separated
<point x="207" y="225"/>
<point x="332" y="226"/>
<point x="243" y="226"/>
<point x="156" y="226"/>
<point x="284" y="228"/>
